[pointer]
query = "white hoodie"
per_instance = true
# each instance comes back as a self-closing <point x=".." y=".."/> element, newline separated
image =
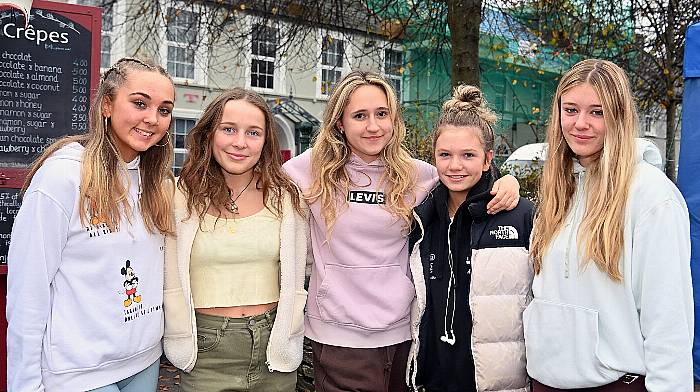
<point x="78" y="317"/>
<point x="583" y="330"/>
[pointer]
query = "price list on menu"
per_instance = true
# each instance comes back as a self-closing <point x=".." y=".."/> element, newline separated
<point x="44" y="83"/>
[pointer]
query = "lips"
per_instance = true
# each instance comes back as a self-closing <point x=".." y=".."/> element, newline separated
<point x="236" y="157"/>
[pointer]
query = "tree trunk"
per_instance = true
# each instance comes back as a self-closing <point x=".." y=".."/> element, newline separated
<point x="670" y="168"/>
<point x="464" y="19"/>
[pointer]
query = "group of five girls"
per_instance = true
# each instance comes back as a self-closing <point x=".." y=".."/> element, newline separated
<point x="418" y="279"/>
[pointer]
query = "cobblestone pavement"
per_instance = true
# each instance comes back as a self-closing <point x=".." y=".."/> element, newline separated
<point x="169" y="379"/>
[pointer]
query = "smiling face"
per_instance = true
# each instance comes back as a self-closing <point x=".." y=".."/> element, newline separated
<point x="366" y="122"/>
<point x="583" y="122"/>
<point x="140" y="112"/>
<point x="460" y="158"/>
<point x="239" y="138"/>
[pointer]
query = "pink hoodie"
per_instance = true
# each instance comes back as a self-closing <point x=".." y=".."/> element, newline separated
<point x="361" y="290"/>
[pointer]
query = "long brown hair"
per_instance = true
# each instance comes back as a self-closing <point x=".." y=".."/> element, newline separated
<point x="331" y="151"/>
<point x="102" y="191"/>
<point x="201" y="178"/>
<point x="608" y="178"/>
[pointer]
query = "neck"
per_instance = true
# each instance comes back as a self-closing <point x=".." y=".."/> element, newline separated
<point x="236" y="182"/>
<point x="455" y="199"/>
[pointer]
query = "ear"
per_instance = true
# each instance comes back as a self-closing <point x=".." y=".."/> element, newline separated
<point x="339" y="126"/>
<point x="128" y="263"/>
<point x="487" y="160"/>
<point x="123" y="271"/>
<point x="107" y="107"/>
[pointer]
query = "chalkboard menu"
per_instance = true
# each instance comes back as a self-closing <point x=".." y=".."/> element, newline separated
<point x="48" y="69"/>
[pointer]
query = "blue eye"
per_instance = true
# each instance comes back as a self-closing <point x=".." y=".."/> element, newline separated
<point x="253" y="132"/>
<point x="228" y="130"/>
<point x="597" y="113"/>
<point x="570" y="110"/>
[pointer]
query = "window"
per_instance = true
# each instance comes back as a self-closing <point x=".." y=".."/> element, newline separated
<point x="332" y="62"/>
<point x="108" y="36"/>
<point x="181" y="126"/>
<point x="181" y="36"/>
<point x="393" y="69"/>
<point x="264" y="52"/>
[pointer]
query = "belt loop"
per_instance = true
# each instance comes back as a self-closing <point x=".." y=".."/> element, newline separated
<point x="224" y="324"/>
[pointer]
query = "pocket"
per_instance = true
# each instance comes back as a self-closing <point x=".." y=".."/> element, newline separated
<point x="371" y="298"/>
<point x="177" y="314"/>
<point x="207" y="339"/>
<point x="297" y="327"/>
<point x="561" y="342"/>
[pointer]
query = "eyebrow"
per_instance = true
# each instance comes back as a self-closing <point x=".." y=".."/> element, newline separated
<point x="368" y="110"/>
<point x="234" y="124"/>
<point x="149" y="97"/>
<point x="576" y="104"/>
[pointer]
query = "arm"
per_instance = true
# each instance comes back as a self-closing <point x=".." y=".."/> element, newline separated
<point x="39" y="235"/>
<point x="507" y="194"/>
<point x="663" y="294"/>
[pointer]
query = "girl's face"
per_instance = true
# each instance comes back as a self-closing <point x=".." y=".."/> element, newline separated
<point x="583" y="122"/>
<point x="366" y="122"/>
<point x="239" y="138"/>
<point x="460" y="158"/>
<point x="140" y="112"/>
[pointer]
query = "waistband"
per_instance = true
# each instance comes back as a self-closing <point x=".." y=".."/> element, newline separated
<point x="627" y="383"/>
<point x="231" y="323"/>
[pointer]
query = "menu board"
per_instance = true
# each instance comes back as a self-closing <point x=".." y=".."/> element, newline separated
<point x="49" y="67"/>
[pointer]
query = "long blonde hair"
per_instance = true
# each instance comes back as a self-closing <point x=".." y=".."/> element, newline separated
<point x="608" y="178"/>
<point x="201" y="178"/>
<point x="103" y="194"/>
<point x="331" y="151"/>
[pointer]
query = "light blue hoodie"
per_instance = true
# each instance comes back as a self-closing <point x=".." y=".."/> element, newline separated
<point x="78" y="317"/>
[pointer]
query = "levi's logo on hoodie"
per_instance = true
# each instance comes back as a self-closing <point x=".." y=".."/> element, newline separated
<point x="366" y="197"/>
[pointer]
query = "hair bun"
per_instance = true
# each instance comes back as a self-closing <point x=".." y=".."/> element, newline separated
<point x="464" y="97"/>
<point x="467" y="94"/>
<point x="469" y="98"/>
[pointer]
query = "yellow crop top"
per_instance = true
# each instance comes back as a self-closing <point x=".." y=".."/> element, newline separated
<point x="236" y="262"/>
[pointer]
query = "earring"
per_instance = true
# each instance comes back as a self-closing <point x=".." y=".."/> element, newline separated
<point x="105" y="122"/>
<point x="167" y="140"/>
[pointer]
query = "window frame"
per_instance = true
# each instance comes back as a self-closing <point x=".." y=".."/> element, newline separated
<point x="320" y="67"/>
<point x="392" y="77"/>
<point x="279" y="68"/>
<point x="201" y="59"/>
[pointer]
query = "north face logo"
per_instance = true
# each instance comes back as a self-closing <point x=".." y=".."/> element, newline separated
<point x="505" y="233"/>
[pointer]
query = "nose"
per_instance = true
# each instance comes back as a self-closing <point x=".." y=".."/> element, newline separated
<point x="581" y="121"/>
<point x="151" y="117"/>
<point x="239" y="140"/>
<point x="455" y="164"/>
<point x="372" y="124"/>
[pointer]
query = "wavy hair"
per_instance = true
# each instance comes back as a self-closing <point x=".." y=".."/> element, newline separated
<point x="609" y="176"/>
<point x="331" y="152"/>
<point x="103" y="193"/>
<point x="202" y="179"/>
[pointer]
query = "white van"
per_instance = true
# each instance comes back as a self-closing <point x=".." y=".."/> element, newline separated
<point x="532" y="156"/>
